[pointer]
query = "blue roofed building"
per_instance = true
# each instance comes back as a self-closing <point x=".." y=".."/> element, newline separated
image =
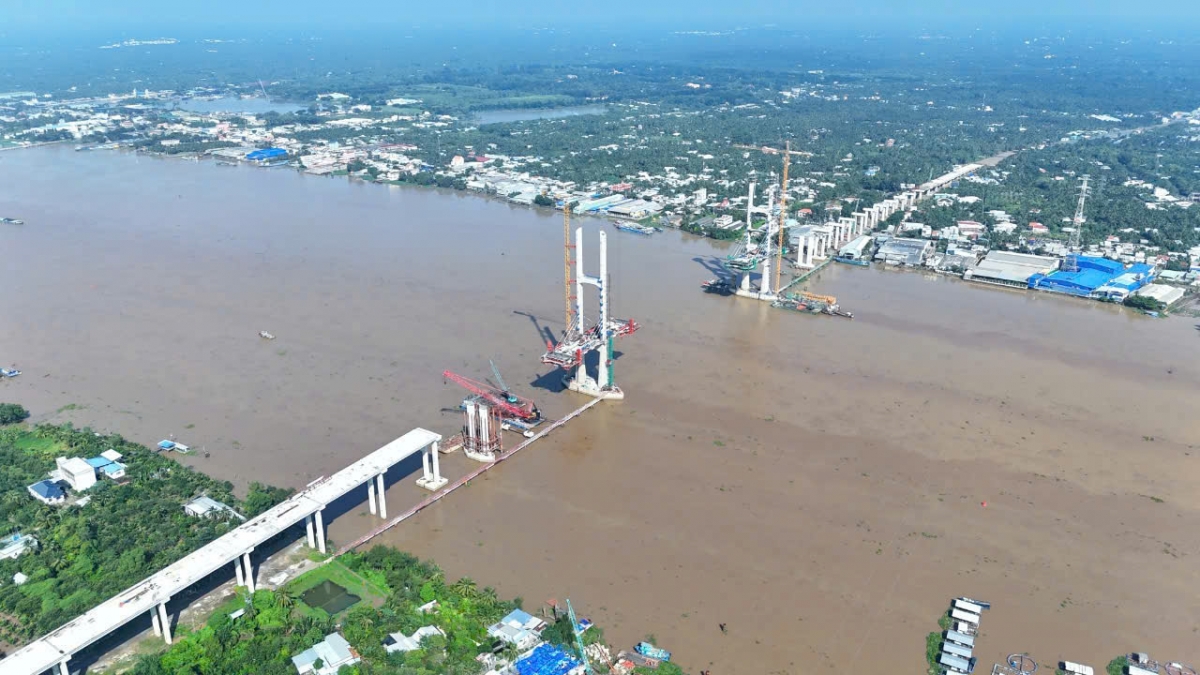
<point x="106" y="467"/>
<point x="548" y="660"/>
<point x="48" y="492"/>
<point x="1093" y="273"/>
<point x="520" y="629"/>
<point x="1132" y="279"/>
<point x="266" y="154"/>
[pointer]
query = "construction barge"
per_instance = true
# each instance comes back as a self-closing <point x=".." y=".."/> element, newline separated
<point x="811" y="303"/>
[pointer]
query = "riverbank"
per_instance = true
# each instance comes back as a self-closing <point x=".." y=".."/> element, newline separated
<point x="787" y="459"/>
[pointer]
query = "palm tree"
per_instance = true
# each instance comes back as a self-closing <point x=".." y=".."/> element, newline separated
<point x="285" y="598"/>
<point x="465" y="588"/>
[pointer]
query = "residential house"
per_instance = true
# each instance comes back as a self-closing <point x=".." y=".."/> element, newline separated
<point x="399" y="642"/>
<point x="331" y="653"/>
<point x="76" y="472"/>
<point x="13" y="546"/>
<point x="205" y="507"/>
<point x="48" y="492"/>
<point x="520" y="629"/>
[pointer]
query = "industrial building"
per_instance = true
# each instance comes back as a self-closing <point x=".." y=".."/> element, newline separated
<point x="901" y="251"/>
<point x="1167" y="295"/>
<point x="856" y="249"/>
<point x="266" y="155"/>
<point x="1091" y="274"/>
<point x="1010" y="269"/>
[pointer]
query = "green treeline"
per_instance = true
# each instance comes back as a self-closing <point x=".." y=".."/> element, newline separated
<point x="278" y="625"/>
<point x="126" y="531"/>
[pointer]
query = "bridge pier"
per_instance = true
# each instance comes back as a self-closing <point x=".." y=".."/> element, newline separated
<point x="382" y="496"/>
<point x="320" y="530"/>
<point x="155" y="622"/>
<point x="237" y="568"/>
<point x="165" y="620"/>
<point x="432" y="479"/>
<point x="308" y="527"/>
<point x="371" y="494"/>
<point x="62" y="666"/>
<point x="249" y="571"/>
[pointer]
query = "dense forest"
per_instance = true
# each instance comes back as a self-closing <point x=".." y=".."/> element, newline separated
<point x="88" y="553"/>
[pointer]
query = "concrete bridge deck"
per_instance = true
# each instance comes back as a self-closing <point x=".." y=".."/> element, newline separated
<point x="151" y="595"/>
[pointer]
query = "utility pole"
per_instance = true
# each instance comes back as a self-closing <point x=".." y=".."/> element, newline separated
<point x="1074" y="243"/>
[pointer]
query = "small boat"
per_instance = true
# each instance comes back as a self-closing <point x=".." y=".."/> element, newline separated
<point x="12" y="221"/>
<point x="9" y="372"/>
<point x="852" y="261"/>
<point x="265" y="335"/>
<point x="649" y="650"/>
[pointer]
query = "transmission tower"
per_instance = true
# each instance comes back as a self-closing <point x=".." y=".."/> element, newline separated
<point x="1071" y="263"/>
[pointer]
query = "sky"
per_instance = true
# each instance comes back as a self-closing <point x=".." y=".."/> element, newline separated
<point x="679" y="14"/>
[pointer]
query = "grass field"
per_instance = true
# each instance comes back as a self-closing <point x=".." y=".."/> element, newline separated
<point x="369" y="591"/>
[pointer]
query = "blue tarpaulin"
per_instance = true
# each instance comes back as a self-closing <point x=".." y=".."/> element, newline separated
<point x="547" y="660"/>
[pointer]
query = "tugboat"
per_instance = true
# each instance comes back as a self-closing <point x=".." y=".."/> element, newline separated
<point x="717" y="287"/>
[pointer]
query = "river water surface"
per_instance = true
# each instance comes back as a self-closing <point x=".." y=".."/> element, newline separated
<point x="823" y="487"/>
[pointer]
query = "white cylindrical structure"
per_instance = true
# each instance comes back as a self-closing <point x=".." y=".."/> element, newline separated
<point x="602" y="375"/>
<point x="158" y="624"/>
<point x="471" y="434"/>
<point x="579" y="279"/>
<point x="485" y="437"/>
<point x="62" y="666"/>
<point x="750" y="207"/>
<point x="437" y="471"/>
<point x="371" y="495"/>
<point x="237" y="569"/>
<point x="308" y="527"/>
<point x="383" y="496"/>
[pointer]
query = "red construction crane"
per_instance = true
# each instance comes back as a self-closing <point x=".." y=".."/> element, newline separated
<point x="509" y="404"/>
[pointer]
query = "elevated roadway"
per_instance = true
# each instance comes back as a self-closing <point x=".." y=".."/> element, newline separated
<point x="55" y="649"/>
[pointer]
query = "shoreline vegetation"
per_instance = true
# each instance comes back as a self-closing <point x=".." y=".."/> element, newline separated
<point x="117" y="532"/>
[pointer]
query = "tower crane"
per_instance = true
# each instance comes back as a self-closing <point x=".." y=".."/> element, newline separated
<point x="508" y="395"/>
<point x="578" y="638"/>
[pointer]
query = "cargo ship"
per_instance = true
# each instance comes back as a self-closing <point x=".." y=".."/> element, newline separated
<point x="636" y="228"/>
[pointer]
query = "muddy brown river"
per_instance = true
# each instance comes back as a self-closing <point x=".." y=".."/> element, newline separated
<point x="816" y="484"/>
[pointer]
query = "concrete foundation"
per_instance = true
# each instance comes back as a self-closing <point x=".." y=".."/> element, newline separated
<point x="589" y="386"/>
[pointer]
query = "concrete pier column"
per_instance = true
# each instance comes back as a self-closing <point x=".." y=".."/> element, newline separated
<point x="431" y="479"/>
<point x="155" y="622"/>
<point x="371" y="495"/>
<point x="249" y="571"/>
<point x="237" y="568"/>
<point x="308" y="527"/>
<point x="383" y="494"/>
<point x="166" y="622"/>
<point x="62" y="667"/>
<point x="320" y="531"/>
